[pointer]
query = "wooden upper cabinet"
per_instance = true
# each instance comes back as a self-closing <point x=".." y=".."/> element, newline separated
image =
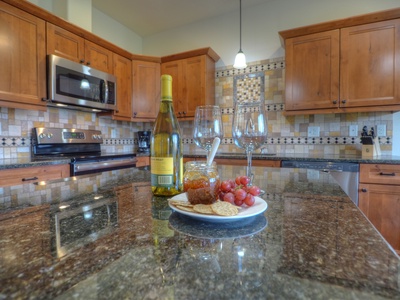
<point x="22" y="59"/>
<point x="146" y="86"/>
<point x="66" y="44"/>
<point x="370" y="64"/>
<point x="98" y="57"/>
<point x="346" y="69"/>
<point x="123" y="72"/>
<point x="193" y="80"/>
<point x="312" y="71"/>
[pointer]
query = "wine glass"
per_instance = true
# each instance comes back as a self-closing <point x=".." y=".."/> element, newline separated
<point x="249" y="128"/>
<point x="207" y="126"/>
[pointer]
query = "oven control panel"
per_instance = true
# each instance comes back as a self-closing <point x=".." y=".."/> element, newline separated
<point x="66" y="136"/>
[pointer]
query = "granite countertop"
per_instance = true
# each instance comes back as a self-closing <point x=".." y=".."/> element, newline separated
<point x="387" y="159"/>
<point x="383" y="159"/>
<point x="105" y="236"/>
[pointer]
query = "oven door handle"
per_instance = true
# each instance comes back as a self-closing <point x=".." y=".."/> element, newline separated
<point x="84" y="167"/>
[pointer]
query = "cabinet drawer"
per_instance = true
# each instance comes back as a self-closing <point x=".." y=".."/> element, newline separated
<point x="380" y="174"/>
<point x="33" y="174"/>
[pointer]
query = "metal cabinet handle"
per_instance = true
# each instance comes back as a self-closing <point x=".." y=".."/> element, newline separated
<point x="184" y="113"/>
<point x="88" y="63"/>
<point x="364" y="190"/>
<point x="344" y="101"/>
<point x="334" y="101"/>
<point x="134" y="114"/>
<point x="30" y="178"/>
<point x="82" y="61"/>
<point x="387" y="174"/>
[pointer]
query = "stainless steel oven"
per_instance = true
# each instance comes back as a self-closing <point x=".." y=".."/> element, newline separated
<point x="82" y="147"/>
<point x="76" y="86"/>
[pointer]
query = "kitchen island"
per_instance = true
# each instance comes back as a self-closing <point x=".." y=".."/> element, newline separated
<point x="104" y="236"/>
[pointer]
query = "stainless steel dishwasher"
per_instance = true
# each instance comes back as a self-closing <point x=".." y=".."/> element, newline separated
<point x="345" y="173"/>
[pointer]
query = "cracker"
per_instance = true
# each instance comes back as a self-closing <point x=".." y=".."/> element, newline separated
<point x="185" y="208"/>
<point x="203" y="209"/>
<point x="223" y="208"/>
<point x="181" y="203"/>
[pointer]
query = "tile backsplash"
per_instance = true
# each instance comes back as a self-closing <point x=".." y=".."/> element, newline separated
<point x="262" y="79"/>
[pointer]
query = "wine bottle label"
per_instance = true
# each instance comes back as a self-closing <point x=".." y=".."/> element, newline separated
<point x="162" y="171"/>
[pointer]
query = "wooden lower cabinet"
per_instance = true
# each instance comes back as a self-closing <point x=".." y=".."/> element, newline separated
<point x="241" y="162"/>
<point x="255" y="162"/>
<point x="33" y="174"/>
<point x="143" y="161"/>
<point x="379" y="199"/>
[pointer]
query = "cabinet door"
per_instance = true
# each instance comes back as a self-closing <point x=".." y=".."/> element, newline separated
<point x="98" y="57"/>
<point x="18" y="176"/>
<point x="65" y="44"/>
<point x="174" y="68"/>
<point x="146" y="90"/>
<point x="22" y="59"/>
<point x="123" y="72"/>
<point x="312" y="71"/>
<point x="193" y="85"/>
<point x="370" y="64"/>
<point x="381" y="204"/>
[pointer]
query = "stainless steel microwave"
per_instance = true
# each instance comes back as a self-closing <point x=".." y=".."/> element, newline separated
<point x="76" y="86"/>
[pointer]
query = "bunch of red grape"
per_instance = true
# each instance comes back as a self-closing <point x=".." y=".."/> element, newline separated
<point x="238" y="192"/>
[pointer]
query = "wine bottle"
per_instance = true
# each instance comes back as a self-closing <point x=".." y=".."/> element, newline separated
<point x="166" y="147"/>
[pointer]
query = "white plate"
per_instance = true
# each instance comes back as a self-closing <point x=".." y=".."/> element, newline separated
<point x="258" y="207"/>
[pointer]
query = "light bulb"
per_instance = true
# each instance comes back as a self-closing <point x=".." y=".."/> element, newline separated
<point x="240" y="60"/>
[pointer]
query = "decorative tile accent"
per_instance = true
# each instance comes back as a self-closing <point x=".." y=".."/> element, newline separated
<point x="248" y="87"/>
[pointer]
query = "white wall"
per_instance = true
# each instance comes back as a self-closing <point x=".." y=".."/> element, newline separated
<point x="260" y="27"/>
<point x="94" y="21"/>
<point x="115" y="32"/>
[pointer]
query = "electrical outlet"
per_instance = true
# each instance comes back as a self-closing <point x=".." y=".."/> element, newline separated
<point x="313" y="131"/>
<point x="353" y="130"/>
<point x="381" y="130"/>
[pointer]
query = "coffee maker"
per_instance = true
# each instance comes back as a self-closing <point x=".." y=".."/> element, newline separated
<point x="144" y="141"/>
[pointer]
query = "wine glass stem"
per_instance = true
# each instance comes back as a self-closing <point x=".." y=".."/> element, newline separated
<point x="208" y="154"/>
<point x="248" y="170"/>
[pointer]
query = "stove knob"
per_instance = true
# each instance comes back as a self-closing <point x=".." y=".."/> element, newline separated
<point x="49" y="135"/>
<point x="42" y="136"/>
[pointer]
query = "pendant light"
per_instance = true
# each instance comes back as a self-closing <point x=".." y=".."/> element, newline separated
<point x="240" y="59"/>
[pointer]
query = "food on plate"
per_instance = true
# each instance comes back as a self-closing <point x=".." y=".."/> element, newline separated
<point x="223" y="208"/>
<point x="238" y="191"/>
<point x="201" y="182"/>
<point x="220" y="208"/>
<point x="203" y="209"/>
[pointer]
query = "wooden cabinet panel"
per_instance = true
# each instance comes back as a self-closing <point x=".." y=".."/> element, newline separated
<point x="370" y="64"/>
<point x="98" y="57"/>
<point x="379" y="199"/>
<point x="193" y="81"/>
<point x="66" y="44"/>
<point x="33" y="174"/>
<point x="255" y="162"/>
<point x="146" y="90"/>
<point x="142" y="161"/>
<point x="312" y="71"/>
<point x="123" y="72"/>
<point x="380" y="174"/>
<point x="381" y="204"/>
<point x="22" y="59"/>
<point x="348" y="69"/>
<point x="241" y="162"/>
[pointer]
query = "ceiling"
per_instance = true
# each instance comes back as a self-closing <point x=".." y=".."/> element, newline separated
<point x="147" y="17"/>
